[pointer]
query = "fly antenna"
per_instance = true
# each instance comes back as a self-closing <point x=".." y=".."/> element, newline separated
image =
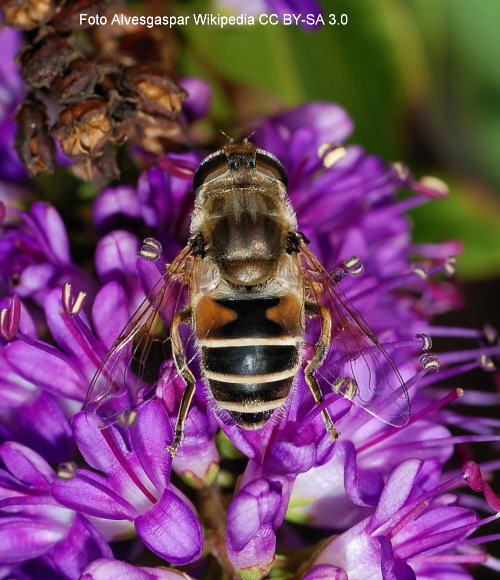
<point x="230" y="139"/>
<point x="246" y="139"/>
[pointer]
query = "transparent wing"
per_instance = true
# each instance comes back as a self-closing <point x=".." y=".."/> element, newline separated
<point x="140" y="358"/>
<point x="356" y="365"/>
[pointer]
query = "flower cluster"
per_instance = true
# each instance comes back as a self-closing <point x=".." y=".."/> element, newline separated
<point x="385" y="498"/>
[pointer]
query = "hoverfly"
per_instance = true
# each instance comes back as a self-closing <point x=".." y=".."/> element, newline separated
<point x="252" y="296"/>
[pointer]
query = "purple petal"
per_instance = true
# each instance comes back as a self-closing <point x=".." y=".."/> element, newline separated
<point x="115" y="255"/>
<point x="326" y="572"/>
<point x="112" y="569"/>
<point x="90" y="494"/>
<point x="329" y="121"/>
<point x="199" y="97"/>
<point x="393" y="569"/>
<point x="10" y="43"/>
<point x="197" y="461"/>
<point x="26" y="465"/>
<point x="396" y="491"/>
<point x="82" y="545"/>
<point x="45" y="428"/>
<point x="115" y="204"/>
<point x="150" y="435"/>
<point x="34" y="278"/>
<point x="62" y="330"/>
<point x="52" y="229"/>
<point x="256" y="558"/>
<point x="47" y="368"/>
<point x="255" y="505"/>
<point x="363" y="490"/>
<point x="110" y="312"/>
<point x="92" y="444"/>
<point x="171" y="530"/>
<point x="23" y="539"/>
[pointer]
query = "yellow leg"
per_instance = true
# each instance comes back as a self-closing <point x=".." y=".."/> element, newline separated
<point x="186" y="375"/>
<point x="315" y="362"/>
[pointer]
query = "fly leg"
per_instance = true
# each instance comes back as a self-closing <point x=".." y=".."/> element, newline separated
<point x="186" y="375"/>
<point x="317" y="359"/>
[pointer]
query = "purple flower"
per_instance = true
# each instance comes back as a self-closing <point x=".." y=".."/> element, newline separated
<point x="199" y="98"/>
<point x="33" y="525"/>
<point x="162" y="201"/>
<point x="389" y="490"/>
<point x="410" y="534"/>
<point x="345" y="202"/>
<point x="104" y="569"/>
<point x="136" y="486"/>
<point x="34" y="254"/>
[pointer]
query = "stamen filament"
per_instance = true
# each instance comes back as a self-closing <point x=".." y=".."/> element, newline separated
<point x="123" y="462"/>
<point x="452" y="396"/>
<point x="477" y="558"/>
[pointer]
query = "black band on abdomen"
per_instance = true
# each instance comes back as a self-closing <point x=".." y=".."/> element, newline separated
<point x="249" y="360"/>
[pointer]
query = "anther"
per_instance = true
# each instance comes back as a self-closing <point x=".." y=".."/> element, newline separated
<point x="67" y="470"/>
<point x="334" y="156"/>
<point x="426" y="341"/>
<point x="450" y="265"/>
<point x="490" y="334"/>
<point x="429" y="362"/>
<point x="151" y="250"/>
<point x="401" y="170"/>
<point x="354" y="266"/>
<point x="331" y="153"/>
<point x="419" y="271"/>
<point x="9" y="318"/>
<point x="434" y="186"/>
<point x="486" y="363"/>
<point x="71" y="304"/>
<point x="127" y="418"/>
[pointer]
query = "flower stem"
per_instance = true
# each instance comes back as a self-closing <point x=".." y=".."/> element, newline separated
<point x="212" y="512"/>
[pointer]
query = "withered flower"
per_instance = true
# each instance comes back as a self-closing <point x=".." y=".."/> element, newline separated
<point x="27" y="14"/>
<point x="83" y="128"/>
<point x="154" y="90"/>
<point x="42" y="62"/>
<point x="77" y="83"/>
<point x="33" y="142"/>
<point x="100" y="168"/>
<point x="153" y="131"/>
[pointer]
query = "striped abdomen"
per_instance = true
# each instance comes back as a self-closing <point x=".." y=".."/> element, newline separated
<point x="250" y="353"/>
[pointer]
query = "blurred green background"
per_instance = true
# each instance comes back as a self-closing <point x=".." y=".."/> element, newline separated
<point x="421" y="79"/>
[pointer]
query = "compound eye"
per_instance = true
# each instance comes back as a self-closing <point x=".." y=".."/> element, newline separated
<point x="213" y="166"/>
<point x="271" y="166"/>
